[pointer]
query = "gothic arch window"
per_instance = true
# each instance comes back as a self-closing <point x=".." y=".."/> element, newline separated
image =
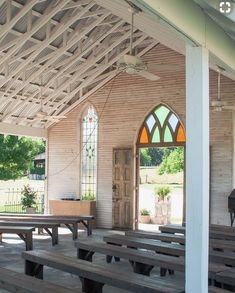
<point x="161" y="128"/>
<point x="89" y="133"/>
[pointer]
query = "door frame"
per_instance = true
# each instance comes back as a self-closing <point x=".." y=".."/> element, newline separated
<point x="137" y="177"/>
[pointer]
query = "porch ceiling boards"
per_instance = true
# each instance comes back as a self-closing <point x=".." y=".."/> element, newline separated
<point x="57" y="53"/>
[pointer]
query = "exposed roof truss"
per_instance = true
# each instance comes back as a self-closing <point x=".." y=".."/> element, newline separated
<point x="54" y="54"/>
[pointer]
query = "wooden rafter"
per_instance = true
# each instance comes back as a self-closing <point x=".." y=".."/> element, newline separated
<point x="63" y="54"/>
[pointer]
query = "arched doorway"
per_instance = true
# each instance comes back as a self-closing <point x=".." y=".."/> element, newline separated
<point x="161" y="136"/>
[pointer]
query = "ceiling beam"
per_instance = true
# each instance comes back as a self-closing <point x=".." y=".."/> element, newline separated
<point x="12" y="129"/>
<point x="188" y="19"/>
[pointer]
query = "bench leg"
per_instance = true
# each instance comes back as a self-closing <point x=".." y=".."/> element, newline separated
<point x="141" y="268"/>
<point x="27" y="237"/>
<point x="55" y="235"/>
<point x="33" y="269"/>
<point x="85" y="254"/>
<point x="75" y="231"/>
<point x="90" y="286"/>
<point x="89" y="227"/>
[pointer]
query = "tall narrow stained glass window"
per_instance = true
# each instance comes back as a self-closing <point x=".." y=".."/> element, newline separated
<point x="89" y="153"/>
<point x="161" y="128"/>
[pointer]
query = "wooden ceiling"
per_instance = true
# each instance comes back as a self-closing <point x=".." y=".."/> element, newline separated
<point x="55" y="53"/>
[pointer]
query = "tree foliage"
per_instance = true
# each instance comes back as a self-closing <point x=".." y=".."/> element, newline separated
<point x="173" y="161"/>
<point x="145" y="159"/>
<point x="16" y="154"/>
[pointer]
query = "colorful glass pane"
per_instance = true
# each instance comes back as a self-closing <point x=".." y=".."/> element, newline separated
<point x="150" y="122"/>
<point x="180" y="134"/>
<point x="162" y="113"/>
<point x="173" y="120"/>
<point x="156" y="136"/>
<point x="144" y="136"/>
<point x="89" y="153"/>
<point x="167" y="135"/>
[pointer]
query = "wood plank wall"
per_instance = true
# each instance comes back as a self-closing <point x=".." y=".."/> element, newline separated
<point x="131" y="98"/>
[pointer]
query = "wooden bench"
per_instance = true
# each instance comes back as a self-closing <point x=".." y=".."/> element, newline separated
<point x="19" y="283"/>
<point x="213" y="233"/>
<point x="142" y="261"/>
<point x="71" y="222"/>
<point x="94" y="276"/>
<point x="157" y="236"/>
<point x="216" y="244"/>
<point x="213" y="289"/>
<point x="53" y="233"/>
<point x="226" y="278"/>
<point x="168" y="249"/>
<point x="25" y="233"/>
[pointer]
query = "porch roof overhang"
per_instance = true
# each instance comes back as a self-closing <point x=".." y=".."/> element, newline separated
<point x="198" y="22"/>
<point x="56" y="54"/>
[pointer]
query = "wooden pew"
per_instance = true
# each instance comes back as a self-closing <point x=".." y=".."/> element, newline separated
<point x="94" y="276"/>
<point x="216" y="244"/>
<point x="19" y="283"/>
<point x="213" y="233"/>
<point x="157" y="236"/>
<point x="40" y="225"/>
<point x="71" y="222"/>
<point x="142" y="262"/>
<point x="218" y="260"/>
<point x="212" y="289"/>
<point x="227" y="278"/>
<point x="25" y="233"/>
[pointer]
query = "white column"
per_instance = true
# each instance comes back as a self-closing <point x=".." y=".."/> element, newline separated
<point x="197" y="169"/>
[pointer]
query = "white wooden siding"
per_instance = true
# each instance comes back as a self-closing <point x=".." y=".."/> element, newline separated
<point x="131" y="98"/>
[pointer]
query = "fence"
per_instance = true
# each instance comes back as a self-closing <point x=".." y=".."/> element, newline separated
<point x="13" y="202"/>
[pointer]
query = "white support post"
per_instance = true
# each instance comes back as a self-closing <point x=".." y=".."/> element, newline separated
<point x="197" y="169"/>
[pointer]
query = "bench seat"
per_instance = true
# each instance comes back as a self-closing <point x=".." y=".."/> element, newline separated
<point x="212" y="289"/>
<point x="141" y="261"/>
<point x="19" y="283"/>
<point x="71" y="222"/>
<point x="25" y="233"/>
<point x="94" y="276"/>
<point x="41" y="225"/>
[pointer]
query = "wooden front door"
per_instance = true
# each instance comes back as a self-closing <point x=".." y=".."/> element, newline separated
<point x="122" y="198"/>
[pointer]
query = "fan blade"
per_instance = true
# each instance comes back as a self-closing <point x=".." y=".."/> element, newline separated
<point x="166" y="67"/>
<point x="229" y="108"/>
<point x="148" y="75"/>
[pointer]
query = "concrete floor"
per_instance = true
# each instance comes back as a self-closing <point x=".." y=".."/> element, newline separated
<point x="12" y="246"/>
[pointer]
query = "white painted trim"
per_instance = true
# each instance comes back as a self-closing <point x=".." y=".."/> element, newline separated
<point x="193" y="24"/>
<point x="197" y="169"/>
<point x="13" y="129"/>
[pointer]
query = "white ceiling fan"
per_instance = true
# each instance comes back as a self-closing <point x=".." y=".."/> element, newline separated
<point x="219" y="105"/>
<point x="132" y="64"/>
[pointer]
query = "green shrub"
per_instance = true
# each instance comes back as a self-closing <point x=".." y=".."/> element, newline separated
<point x="89" y="195"/>
<point x="37" y="170"/>
<point x="162" y="192"/>
<point x="29" y="196"/>
<point x="144" y="212"/>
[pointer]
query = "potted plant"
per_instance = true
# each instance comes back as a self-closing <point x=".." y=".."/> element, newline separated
<point x="144" y="216"/>
<point x="28" y="199"/>
<point x="162" y="205"/>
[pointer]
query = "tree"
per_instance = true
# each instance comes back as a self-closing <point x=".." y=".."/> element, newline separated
<point x="173" y="161"/>
<point x="16" y="155"/>
<point x="145" y="159"/>
<point x="156" y="155"/>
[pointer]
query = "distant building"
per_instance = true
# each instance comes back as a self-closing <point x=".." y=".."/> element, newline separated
<point x="37" y="172"/>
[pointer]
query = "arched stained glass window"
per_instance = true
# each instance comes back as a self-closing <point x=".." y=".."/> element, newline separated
<point x="161" y="127"/>
<point x="89" y="153"/>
